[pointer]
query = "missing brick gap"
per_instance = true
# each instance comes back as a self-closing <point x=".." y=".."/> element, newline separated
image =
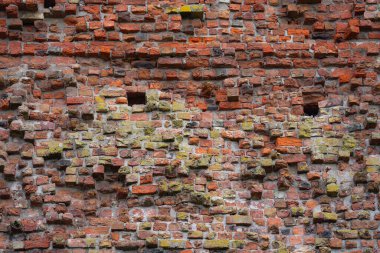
<point x="136" y="98"/>
<point x="49" y="3"/>
<point x="311" y="109"/>
<point x="27" y="22"/>
<point x="190" y="15"/>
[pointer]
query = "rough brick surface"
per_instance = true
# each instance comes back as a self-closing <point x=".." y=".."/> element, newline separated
<point x="189" y="126"/>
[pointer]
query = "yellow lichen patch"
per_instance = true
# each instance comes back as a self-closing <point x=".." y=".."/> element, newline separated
<point x="185" y="8"/>
<point x="191" y="8"/>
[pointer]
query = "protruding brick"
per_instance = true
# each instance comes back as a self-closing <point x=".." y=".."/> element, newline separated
<point x="144" y="189"/>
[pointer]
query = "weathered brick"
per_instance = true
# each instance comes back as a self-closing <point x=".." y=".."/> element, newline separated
<point x="288" y="141"/>
<point x="239" y="220"/>
<point x="36" y="244"/>
<point x="272" y="102"/>
<point x="216" y="244"/>
<point x="144" y="189"/>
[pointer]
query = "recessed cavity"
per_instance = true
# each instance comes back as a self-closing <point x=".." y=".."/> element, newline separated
<point x="311" y="109"/>
<point x="49" y="3"/>
<point x="136" y="98"/>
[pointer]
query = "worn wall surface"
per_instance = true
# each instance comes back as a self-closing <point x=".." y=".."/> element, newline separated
<point x="259" y="132"/>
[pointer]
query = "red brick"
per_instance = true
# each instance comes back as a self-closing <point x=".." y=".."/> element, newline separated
<point x="144" y="189"/>
<point x="37" y="244"/>
<point x="289" y="141"/>
<point x="129" y="28"/>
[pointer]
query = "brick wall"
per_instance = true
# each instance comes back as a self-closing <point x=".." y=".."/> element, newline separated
<point x="189" y="126"/>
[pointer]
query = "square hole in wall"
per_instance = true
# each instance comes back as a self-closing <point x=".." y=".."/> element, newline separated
<point x="192" y="15"/>
<point x="136" y="98"/>
<point x="27" y="22"/>
<point x="193" y="11"/>
<point x="49" y="3"/>
<point x="311" y="109"/>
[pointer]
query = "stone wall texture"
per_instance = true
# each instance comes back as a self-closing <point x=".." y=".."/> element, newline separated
<point x="190" y="126"/>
